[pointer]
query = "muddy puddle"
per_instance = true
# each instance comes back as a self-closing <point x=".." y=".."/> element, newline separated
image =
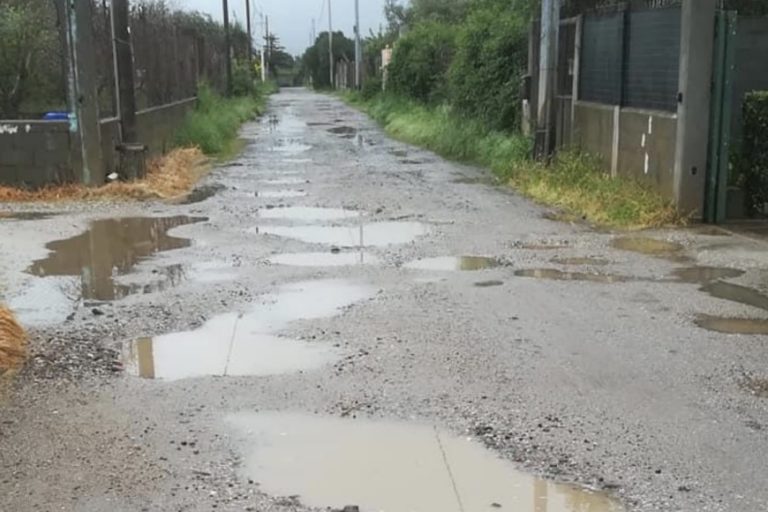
<point x="240" y="344"/>
<point x="577" y="261"/>
<point x="737" y="293"/>
<point x="378" y="234"/>
<point x="726" y="325"/>
<point x="110" y="248"/>
<point x="650" y="247"/>
<point x="26" y="215"/>
<point x="559" y="275"/>
<point x="393" y="467"/>
<point x="455" y="263"/>
<point x="280" y="194"/>
<point x="345" y="132"/>
<point x="307" y="214"/>
<point x="705" y="274"/>
<point x="324" y="259"/>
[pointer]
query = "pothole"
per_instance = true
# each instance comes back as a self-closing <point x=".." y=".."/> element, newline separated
<point x="559" y="275"/>
<point x="726" y="325"/>
<point x="108" y="248"/>
<point x="736" y="293"/>
<point x="324" y="259"/>
<point x="345" y="132"/>
<point x="238" y="344"/>
<point x="393" y="466"/>
<point x="378" y="234"/>
<point x="489" y="284"/>
<point x="455" y="263"/>
<point x="705" y="274"/>
<point x="307" y="214"/>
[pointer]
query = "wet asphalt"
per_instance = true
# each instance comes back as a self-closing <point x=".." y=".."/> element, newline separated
<point x="571" y="352"/>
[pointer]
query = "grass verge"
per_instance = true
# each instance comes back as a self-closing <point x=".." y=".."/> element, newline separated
<point x="573" y="182"/>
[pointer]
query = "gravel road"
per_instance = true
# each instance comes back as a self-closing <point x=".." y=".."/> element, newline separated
<point x="333" y="274"/>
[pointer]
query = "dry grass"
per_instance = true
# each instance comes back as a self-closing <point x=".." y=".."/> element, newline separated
<point x="167" y="177"/>
<point x="13" y="341"/>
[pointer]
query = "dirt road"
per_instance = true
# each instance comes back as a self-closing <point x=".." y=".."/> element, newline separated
<point x="346" y="320"/>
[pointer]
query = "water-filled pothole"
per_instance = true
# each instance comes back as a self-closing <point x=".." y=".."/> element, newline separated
<point x="235" y="344"/>
<point x="307" y="214"/>
<point x="378" y="234"/>
<point x="345" y="132"/>
<point x="726" y="325"/>
<point x="108" y="248"/>
<point x="736" y="293"/>
<point x="455" y="263"/>
<point x="324" y="259"/>
<point x="559" y="275"/>
<point x="705" y="274"/>
<point x="392" y="466"/>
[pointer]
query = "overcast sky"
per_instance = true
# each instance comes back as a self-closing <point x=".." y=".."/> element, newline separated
<point x="291" y="20"/>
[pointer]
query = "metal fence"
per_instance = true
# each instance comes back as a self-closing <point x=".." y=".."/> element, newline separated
<point x="173" y="50"/>
<point x="631" y="57"/>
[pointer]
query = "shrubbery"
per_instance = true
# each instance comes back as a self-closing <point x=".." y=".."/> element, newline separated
<point x="754" y="157"/>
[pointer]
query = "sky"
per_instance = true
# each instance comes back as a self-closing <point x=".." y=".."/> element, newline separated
<point x="291" y="20"/>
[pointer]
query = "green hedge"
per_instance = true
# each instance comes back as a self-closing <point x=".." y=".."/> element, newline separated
<point x="754" y="158"/>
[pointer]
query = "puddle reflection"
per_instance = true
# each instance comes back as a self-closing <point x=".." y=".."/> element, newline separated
<point x="366" y="235"/>
<point x="455" y="263"/>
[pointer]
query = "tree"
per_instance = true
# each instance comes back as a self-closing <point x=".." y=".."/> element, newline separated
<point x="315" y="62"/>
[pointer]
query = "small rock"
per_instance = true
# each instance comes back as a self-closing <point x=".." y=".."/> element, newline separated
<point x="496" y="505"/>
<point x="335" y="250"/>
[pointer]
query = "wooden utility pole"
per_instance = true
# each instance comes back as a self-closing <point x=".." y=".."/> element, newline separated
<point x="125" y="73"/>
<point x="250" y="34"/>
<point x="330" y="44"/>
<point x="82" y="93"/>
<point x="227" y="46"/>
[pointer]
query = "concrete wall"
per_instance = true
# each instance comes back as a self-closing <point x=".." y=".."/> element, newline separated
<point x="38" y="153"/>
<point x="640" y="146"/>
<point x="35" y="153"/>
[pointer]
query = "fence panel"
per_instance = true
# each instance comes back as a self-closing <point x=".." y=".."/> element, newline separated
<point x="601" y="61"/>
<point x="652" y="59"/>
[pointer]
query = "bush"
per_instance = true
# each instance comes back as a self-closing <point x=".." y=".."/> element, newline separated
<point x="420" y="62"/>
<point x="754" y="158"/>
<point x="491" y="56"/>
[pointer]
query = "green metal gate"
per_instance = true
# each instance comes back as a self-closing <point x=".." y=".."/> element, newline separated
<point x="718" y="166"/>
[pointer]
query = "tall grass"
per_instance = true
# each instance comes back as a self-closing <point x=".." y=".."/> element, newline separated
<point x="214" y="124"/>
<point x="573" y="182"/>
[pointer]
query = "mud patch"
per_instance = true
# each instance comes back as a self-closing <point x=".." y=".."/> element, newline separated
<point x="736" y="293"/>
<point x="455" y="263"/>
<point x="705" y="274"/>
<point x="581" y="261"/>
<point x="489" y="284"/>
<point x="108" y="248"/>
<point x="238" y="344"/>
<point x="379" y="234"/>
<point x="558" y="275"/>
<point x="200" y="194"/>
<point x="650" y="247"/>
<point x="377" y="465"/>
<point x="307" y="214"/>
<point x="324" y="259"/>
<point x="725" y="325"/>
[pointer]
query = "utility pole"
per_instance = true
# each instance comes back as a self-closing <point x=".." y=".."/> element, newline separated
<point x="269" y="45"/>
<point x="358" y="47"/>
<point x="227" y="46"/>
<point x="330" y="44"/>
<point x="123" y="54"/>
<point x="550" y="27"/>
<point x="263" y="51"/>
<point x="314" y="32"/>
<point x="81" y="90"/>
<point x="250" y="34"/>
